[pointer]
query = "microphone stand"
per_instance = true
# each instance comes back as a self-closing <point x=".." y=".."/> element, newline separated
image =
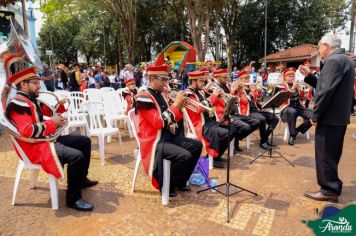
<point x="227" y="185"/>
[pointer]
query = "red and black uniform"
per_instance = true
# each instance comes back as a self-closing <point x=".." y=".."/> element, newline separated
<point x="241" y="125"/>
<point x="129" y="96"/>
<point x="265" y="118"/>
<point x="157" y="142"/>
<point x="27" y="114"/>
<point x="293" y="108"/>
<point x="214" y="137"/>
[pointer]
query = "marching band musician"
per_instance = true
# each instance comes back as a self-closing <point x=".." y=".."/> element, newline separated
<point x="255" y="111"/>
<point x="294" y="107"/>
<point x="157" y="142"/>
<point x="27" y="114"/>
<point x="207" y="128"/>
<point x="129" y="93"/>
<point x="241" y="123"/>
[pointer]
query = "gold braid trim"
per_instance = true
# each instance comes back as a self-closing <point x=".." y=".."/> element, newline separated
<point x="56" y="160"/>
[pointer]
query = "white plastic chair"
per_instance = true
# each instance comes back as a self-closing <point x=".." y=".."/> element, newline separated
<point x="107" y="89"/>
<point x="132" y="117"/>
<point x="92" y="94"/>
<point x="26" y="164"/>
<point x="76" y="120"/>
<point x="96" y="128"/>
<point x="113" y="111"/>
<point x="286" y="131"/>
<point x="62" y="94"/>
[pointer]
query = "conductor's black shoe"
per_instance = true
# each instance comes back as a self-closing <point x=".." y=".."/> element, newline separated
<point x="318" y="196"/>
<point x="81" y="205"/>
<point x="265" y="146"/>
<point x="184" y="189"/>
<point x="89" y="183"/>
<point x="291" y="141"/>
<point x="218" y="164"/>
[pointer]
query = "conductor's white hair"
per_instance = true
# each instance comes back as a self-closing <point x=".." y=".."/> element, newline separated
<point x="331" y="39"/>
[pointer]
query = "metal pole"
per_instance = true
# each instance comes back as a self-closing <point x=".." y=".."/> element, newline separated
<point x="104" y="41"/>
<point x="24" y="16"/>
<point x="265" y="53"/>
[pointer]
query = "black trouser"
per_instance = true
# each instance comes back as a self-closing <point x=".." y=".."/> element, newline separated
<point x="74" y="151"/>
<point x="265" y="118"/>
<point x="183" y="153"/>
<point x="353" y="103"/>
<point x="242" y="126"/>
<point x="217" y="135"/>
<point x="290" y="114"/>
<point x="329" y="141"/>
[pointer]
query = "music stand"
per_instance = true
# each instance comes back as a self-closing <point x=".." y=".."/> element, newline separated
<point x="277" y="100"/>
<point x="227" y="117"/>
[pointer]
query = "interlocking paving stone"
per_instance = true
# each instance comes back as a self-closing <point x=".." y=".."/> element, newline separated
<point x="278" y="210"/>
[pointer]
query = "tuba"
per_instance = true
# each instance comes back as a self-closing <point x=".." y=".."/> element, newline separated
<point x="15" y="54"/>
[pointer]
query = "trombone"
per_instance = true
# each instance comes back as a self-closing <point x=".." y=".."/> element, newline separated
<point x="192" y="104"/>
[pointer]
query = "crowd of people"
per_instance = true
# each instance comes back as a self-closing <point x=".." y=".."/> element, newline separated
<point x="236" y="98"/>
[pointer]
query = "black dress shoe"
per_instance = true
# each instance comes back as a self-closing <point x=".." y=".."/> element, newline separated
<point x="265" y="146"/>
<point x="291" y="141"/>
<point x="269" y="144"/>
<point x="218" y="164"/>
<point x="89" y="183"/>
<point x="81" y="205"/>
<point x="172" y="193"/>
<point x="184" y="189"/>
<point x="237" y="149"/>
<point x="221" y="159"/>
<point x="318" y="196"/>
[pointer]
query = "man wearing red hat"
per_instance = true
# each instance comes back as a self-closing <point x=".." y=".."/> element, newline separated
<point x="129" y="93"/>
<point x="26" y="113"/>
<point x="294" y="107"/>
<point x="157" y="142"/>
<point x="206" y="127"/>
<point x="241" y="124"/>
<point x="255" y="111"/>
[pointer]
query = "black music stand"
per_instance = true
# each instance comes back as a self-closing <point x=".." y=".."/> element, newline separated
<point x="277" y="100"/>
<point x="227" y="117"/>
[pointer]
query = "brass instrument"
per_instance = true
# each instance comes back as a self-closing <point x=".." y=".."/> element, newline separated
<point x="17" y="51"/>
<point x="274" y="81"/>
<point x="192" y="104"/>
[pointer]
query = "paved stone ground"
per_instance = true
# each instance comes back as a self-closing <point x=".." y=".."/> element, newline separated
<point x="278" y="210"/>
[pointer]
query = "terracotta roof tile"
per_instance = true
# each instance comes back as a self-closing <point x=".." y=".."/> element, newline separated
<point x="305" y="51"/>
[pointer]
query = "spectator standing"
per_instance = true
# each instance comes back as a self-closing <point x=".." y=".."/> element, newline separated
<point x="49" y="78"/>
<point x="64" y="77"/>
<point x="75" y="78"/>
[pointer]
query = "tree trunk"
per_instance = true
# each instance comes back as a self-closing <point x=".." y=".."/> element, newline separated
<point x="217" y="42"/>
<point x="119" y="54"/>
<point x="229" y="54"/>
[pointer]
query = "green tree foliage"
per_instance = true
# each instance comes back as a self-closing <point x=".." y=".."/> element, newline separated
<point x="290" y="23"/>
<point x="73" y="27"/>
<point x="61" y="35"/>
<point x="136" y="30"/>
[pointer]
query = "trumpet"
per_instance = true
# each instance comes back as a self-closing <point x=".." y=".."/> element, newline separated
<point x="192" y="104"/>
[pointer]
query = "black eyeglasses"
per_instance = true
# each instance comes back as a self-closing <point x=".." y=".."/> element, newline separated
<point x="162" y="79"/>
<point x="33" y="82"/>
